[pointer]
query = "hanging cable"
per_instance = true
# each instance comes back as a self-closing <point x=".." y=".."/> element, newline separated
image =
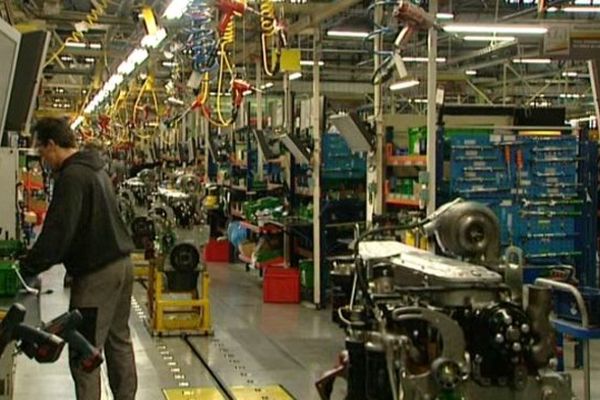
<point x="77" y="36"/>
<point x="147" y="86"/>
<point x="271" y="27"/>
<point x="227" y="40"/>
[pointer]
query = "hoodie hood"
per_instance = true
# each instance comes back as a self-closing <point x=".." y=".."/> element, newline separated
<point x="88" y="158"/>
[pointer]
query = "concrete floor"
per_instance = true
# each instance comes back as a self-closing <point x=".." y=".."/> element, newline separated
<point x="254" y="344"/>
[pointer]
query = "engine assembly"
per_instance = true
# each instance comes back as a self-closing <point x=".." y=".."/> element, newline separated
<point x="452" y="326"/>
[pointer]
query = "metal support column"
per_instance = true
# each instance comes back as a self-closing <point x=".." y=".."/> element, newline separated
<point x="432" y="111"/>
<point x="317" y="134"/>
<point x="375" y="161"/>
<point x="287" y="103"/>
<point x="504" y="84"/>
<point x="202" y="123"/>
<point x="259" y="116"/>
<point x="594" y="69"/>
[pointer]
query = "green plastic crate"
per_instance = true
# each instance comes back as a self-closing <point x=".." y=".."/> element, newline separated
<point x="267" y="255"/>
<point x="414" y="136"/>
<point x="9" y="282"/>
<point x="307" y="273"/>
<point x="11" y="248"/>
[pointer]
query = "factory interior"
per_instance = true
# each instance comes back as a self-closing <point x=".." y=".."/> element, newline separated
<point x="299" y="200"/>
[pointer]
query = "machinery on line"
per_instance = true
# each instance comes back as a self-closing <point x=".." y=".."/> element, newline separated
<point x="452" y="326"/>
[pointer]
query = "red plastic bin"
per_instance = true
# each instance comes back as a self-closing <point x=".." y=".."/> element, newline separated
<point x="281" y="285"/>
<point x="216" y="251"/>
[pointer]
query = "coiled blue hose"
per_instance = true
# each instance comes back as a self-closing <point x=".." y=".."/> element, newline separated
<point x="202" y="38"/>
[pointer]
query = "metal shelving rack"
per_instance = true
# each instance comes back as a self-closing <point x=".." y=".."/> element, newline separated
<point x="513" y="186"/>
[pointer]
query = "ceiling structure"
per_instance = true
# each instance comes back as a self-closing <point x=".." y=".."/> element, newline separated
<point x="472" y="72"/>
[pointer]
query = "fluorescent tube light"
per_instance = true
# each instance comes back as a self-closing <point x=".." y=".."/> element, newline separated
<point x="125" y="68"/>
<point x="155" y="39"/>
<point x="95" y="46"/>
<point x="494" y="28"/>
<point x="267" y="85"/>
<point x="175" y="100"/>
<point x="489" y="38"/>
<point x="443" y="15"/>
<point x="310" y="63"/>
<point x="423" y="59"/>
<point x="77" y="122"/>
<point x="347" y="34"/>
<point x="471" y="72"/>
<point x="581" y="9"/>
<point x="295" y="75"/>
<point x="570" y="74"/>
<point x="176" y="9"/>
<point x="75" y="45"/>
<point x="403" y="85"/>
<point x="138" y="56"/>
<point x="571" y="96"/>
<point x="532" y="61"/>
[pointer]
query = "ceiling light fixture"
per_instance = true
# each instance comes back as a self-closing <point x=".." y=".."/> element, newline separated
<point x="95" y="46"/>
<point x="532" y="61"/>
<point x="176" y="101"/>
<point x="310" y="63"/>
<point x="77" y="122"/>
<point x="471" y="72"/>
<point x="347" y="34"/>
<point x="154" y="40"/>
<point x="443" y="15"/>
<point x="75" y="45"/>
<point x="404" y="85"/>
<point x="571" y="96"/>
<point x="176" y="9"/>
<point x="580" y="9"/>
<point x="137" y="56"/>
<point x="492" y="28"/>
<point x="473" y="38"/>
<point x="570" y="74"/>
<point x="295" y="75"/>
<point x="423" y="59"/>
<point x="125" y="68"/>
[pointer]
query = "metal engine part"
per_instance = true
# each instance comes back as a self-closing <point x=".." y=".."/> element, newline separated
<point x="184" y="257"/>
<point x="182" y="205"/>
<point x="188" y="184"/>
<point x="149" y="177"/>
<point x="143" y="233"/>
<point x="468" y="230"/>
<point x="135" y="189"/>
<point x="539" y="307"/>
<point x="459" y="283"/>
<point x="424" y="326"/>
<point x="182" y="267"/>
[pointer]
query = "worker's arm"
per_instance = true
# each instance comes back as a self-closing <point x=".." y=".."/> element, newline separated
<point x="59" y="227"/>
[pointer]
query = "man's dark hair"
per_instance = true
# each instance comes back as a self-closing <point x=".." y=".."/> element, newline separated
<point x="56" y="129"/>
